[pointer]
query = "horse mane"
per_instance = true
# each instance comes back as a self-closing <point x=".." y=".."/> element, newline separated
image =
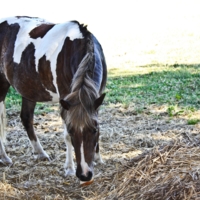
<point x="83" y="93"/>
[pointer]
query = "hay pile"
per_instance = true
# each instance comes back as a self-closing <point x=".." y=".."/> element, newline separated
<point x="172" y="172"/>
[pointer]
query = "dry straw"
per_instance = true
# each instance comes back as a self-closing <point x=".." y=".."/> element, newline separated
<point x="171" y="172"/>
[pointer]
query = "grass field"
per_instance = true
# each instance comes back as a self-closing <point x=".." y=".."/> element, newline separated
<point x="171" y="85"/>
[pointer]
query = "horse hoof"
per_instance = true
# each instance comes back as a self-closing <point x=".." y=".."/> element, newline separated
<point x="69" y="172"/>
<point x="42" y="157"/>
<point x="6" y="160"/>
<point x="101" y="162"/>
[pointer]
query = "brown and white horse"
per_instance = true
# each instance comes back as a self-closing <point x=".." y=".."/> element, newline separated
<point x="48" y="62"/>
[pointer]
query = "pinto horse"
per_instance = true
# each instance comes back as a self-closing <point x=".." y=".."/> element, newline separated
<point x="63" y="63"/>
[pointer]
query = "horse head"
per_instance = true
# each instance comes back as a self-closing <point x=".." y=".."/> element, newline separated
<point x="83" y="128"/>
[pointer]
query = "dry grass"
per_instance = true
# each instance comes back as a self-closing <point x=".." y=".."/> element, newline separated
<point x="171" y="172"/>
<point x="132" y="169"/>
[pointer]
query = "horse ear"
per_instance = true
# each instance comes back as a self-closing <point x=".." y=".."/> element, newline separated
<point x="65" y="104"/>
<point x="99" y="101"/>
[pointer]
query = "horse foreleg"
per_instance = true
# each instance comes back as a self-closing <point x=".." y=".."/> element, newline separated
<point x="3" y="91"/>
<point x="3" y="156"/>
<point x="98" y="158"/>
<point x="69" y="164"/>
<point x="27" y="120"/>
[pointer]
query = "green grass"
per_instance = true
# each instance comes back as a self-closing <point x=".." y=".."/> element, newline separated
<point x="193" y="121"/>
<point x="176" y="86"/>
<point x="13" y="99"/>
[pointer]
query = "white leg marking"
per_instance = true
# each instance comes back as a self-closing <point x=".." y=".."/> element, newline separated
<point x="84" y="165"/>
<point x="98" y="158"/>
<point x="38" y="150"/>
<point x="3" y="156"/>
<point x="2" y="121"/>
<point x="69" y="164"/>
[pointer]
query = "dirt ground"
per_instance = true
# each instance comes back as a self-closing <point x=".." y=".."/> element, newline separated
<point x="124" y="135"/>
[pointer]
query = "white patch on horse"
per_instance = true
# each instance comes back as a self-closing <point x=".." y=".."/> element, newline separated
<point x="98" y="158"/>
<point x="37" y="147"/>
<point x="84" y="165"/>
<point x="69" y="164"/>
<point x="23" y="38"/>
<point x="51" y="45"/>
<point x="81" y="128"/>
<point x="55" y="96"/>
<point x="3" y="156"/>
<point x="2" y="121"/>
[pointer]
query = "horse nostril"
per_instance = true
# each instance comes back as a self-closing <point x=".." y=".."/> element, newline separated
<point x="90" y="174"/>
<point x="86" y="178"/>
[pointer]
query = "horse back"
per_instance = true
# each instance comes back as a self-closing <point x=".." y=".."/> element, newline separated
<point x="39" y="58"/>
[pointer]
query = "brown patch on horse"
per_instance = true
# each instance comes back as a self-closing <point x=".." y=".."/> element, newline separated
<point x="8" y="35"/>
<point x="26" y="80"/>
<point x="4" y="86"/>
<point x="41" y="30"/>
<point x="69" y="59"/>
<point x="46" y="74"/>
<point x="26" y="115"/>
<point x="92" y="134"/>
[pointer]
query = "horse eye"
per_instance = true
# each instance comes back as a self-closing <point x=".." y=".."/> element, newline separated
<point x="70" y="130"/>
<point x="70" y="133"/>
<point x="95" y="130"/>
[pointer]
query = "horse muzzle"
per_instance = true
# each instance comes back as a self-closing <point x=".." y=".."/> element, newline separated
<point x="84" y="174"/>
<point x="84" y="177"/>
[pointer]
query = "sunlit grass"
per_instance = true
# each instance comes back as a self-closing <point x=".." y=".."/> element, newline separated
<point x="177" y="86"/>
<point x="13" y="99"/>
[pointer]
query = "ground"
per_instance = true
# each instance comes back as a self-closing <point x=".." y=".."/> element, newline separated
<point x="125" y="134"/>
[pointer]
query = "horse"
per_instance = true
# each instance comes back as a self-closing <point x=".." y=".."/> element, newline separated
<point x="48" y="62"/>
